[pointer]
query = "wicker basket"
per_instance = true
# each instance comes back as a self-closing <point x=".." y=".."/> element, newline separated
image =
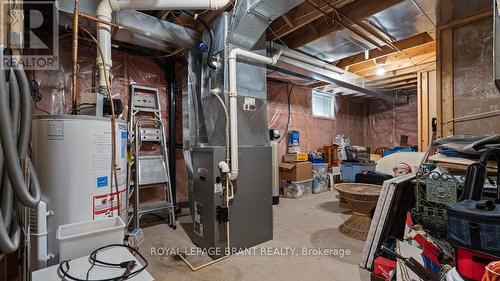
<point x="362" y="199"/>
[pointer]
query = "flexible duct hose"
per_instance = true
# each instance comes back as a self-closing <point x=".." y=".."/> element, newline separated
<point x="15" y="119"/>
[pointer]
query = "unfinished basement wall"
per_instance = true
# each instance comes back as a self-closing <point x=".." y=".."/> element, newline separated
<point x="468" y="101"/>
<point x="314" y="132"/>
<point x="474" y="89"/>
<point x="55" y="88"/>
<point x="386" y="123"/>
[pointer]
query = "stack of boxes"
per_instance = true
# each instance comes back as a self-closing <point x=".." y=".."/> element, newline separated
<point x="295" y="170"/>
<point x="298" y="176"/>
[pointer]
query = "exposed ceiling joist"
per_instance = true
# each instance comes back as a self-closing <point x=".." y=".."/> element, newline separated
<point x="394" y="79"/>
<point x="402" y="88"/>
<point x="414" y="54"/>
<point x="403" y="71"/>
<point x="357" y="10"/>
<point x="300" y="16"/>
<point x="406" y="63"/>
<point x="402" y="45"/>
<point x="395" y="83"/>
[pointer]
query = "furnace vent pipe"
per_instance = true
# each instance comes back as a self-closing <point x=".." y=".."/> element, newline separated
<point x="233" y="94"/>
<point x="106" y="8"/>
<point x="233" y="100"/>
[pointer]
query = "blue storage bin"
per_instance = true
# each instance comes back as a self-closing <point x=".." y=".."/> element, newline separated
<point x="348" y="170"/>
<point x="399" y="149"/>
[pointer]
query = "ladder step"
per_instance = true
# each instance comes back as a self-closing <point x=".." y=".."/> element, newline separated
<point x="152" y="207"/>
<point x="151" y="134"/>
<point x="152" y="170"/>
<point x="147" y="186"/>
<point x="144" y="102"/>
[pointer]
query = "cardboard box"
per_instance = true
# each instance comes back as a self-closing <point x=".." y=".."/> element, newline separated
<point x="299" y="171"/>
<point x="295" y="157"/>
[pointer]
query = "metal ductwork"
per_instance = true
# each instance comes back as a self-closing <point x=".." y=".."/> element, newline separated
<point x="292" y="61"/>
<point x="253" y="17"/>
<point x="237" y="34"/>
<point x="139" y="29"/>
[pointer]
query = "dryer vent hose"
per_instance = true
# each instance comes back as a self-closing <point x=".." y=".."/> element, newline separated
<point x="18" y="180"/>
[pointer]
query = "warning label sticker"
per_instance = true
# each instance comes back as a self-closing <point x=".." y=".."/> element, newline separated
<point x="106" y="205"/>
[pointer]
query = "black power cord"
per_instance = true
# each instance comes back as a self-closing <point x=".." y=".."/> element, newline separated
<point x="129" y="266"/>
<point x="289" y="112"/>
<point x="36" y="96"/>
<point x="210" y="61"/>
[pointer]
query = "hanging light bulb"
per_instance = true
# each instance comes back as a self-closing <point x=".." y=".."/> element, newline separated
<point x="380" y="70"/>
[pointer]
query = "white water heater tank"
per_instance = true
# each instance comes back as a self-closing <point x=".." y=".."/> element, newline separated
<point x="72" y="155"/>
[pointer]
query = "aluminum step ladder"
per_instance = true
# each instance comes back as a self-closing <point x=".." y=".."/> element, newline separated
<point x="150" y="168"/>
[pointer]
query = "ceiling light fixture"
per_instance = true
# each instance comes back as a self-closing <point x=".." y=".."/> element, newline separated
<point x="380" y="70"/>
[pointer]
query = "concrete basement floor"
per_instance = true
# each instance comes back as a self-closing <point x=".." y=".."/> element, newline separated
<point x="311" y="222"/>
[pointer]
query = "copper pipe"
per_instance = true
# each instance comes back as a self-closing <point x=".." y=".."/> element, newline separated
<point x="74" y="56"/>
<point x="92" y="18"/>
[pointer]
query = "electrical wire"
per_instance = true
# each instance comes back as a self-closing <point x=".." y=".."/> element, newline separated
<point x="64" y="266"/>
<point x="210" y="61"/>
<point x="289" y="113"/>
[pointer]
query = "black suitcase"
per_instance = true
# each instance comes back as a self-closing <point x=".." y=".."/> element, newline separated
<point x="475" y="223"/>
<point x="371" y="177"/>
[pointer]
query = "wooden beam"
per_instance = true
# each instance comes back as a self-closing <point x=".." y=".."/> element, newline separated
<point x="313" y="29"/>
<point x="288" y="21"/>
<point x="407" y="87"/>
<point x="413" y="61"/>
<point x="404" y="44"/>
<point x="397" y="87"/>
<point x="301" y="16"/>
<point x="470" y="19"/>
<point x="423" y="111"/>
<point x="447" y="99"/>
<point x="393" y="79"/>
<point x="361" y="36"/>
<point x="403" y="71"/>
<point x="395" y="83"/>
<point x="356" y="11"/>
<point x="410" y="53"/>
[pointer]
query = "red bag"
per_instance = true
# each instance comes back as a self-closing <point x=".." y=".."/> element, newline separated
<point x="383" y="266"/>
<point x="470" y="264"/>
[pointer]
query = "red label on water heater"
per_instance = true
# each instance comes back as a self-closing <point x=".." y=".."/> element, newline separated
<point x="106" y="205"/>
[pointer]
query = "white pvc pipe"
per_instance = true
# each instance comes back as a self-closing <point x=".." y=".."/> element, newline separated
<point x="233" y="100"/>
<point x="105" y="10"/>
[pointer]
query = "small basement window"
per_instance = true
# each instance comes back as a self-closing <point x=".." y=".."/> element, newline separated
<point x="323" y="104"/>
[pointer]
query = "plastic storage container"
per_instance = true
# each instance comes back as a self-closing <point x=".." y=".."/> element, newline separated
<point x="297" y="189"/>
<point x="320" y="170"/>
<point x="80" y="239"/>
<point x="319" y="185"/>
<point x="348" y="170"/>
<point x="320" y="177"/>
